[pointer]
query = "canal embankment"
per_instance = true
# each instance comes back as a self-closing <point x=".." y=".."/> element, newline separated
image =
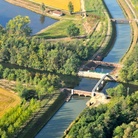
<point x="46" y="112"/>
<point x="134" y="28"/>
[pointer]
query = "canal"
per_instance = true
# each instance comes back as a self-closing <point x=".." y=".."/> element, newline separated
<point x="69" y="111"/>
<point x="9" y="11"/>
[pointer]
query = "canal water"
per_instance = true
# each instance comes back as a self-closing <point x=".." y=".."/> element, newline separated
<point x="9" y="11"/>
<point x="123" y="37"/>
<point x="69" y="111"/>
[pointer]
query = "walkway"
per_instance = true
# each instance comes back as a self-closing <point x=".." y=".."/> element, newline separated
<point x="95" y="91"/>
<point x="106" y="40"/>
<point x="134" y="14"/>
<point x="101" y="81"/>
<point x="83" y="8"/>
<point x="121" y="21"/>
<point x="93" y="64"/>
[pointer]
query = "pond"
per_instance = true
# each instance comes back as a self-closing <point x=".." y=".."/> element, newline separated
<point x="9" y="11"/>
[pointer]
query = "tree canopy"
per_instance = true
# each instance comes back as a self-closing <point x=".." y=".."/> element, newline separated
<point x="19" y="25"/>
<point x="72" y="30"/>
<point x="71" y="7"/>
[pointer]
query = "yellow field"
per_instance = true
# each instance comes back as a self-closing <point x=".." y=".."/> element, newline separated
<point x="7" y="101"/>
<point x="61" y="4"/>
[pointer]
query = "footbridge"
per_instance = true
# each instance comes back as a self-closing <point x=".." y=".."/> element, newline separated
<point x="100" y="83"/>
<point x="93" y="64"/>
<point x="121" y="21"/>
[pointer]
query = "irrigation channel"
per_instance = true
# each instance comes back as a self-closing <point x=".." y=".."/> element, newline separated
<point x="69" y="111"/>
<point x="9" y="11"/>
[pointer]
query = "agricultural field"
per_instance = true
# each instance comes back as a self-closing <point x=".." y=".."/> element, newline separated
<point x="7" y="101"/>
<point x="61" y="4"/>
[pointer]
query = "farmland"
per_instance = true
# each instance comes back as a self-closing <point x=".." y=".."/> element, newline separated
<point x="7" y="101"/>
<point x="60" y="4"/>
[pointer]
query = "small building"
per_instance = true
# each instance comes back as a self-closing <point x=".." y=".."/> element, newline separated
<point x="57" y="13"/>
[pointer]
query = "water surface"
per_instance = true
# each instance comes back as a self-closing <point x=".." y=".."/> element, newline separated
<point x="9" y="11"/>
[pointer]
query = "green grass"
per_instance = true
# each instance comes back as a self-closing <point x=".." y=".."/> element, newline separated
<point x="59" y="29"/>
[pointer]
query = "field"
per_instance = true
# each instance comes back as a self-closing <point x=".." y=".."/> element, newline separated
<point x="61" y="29"/>
<point x="61" y="4"/>
<point x="7" y="101"/>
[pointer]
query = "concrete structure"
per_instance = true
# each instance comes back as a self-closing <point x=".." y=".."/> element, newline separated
<point x="93" y="64"/>
<point x="90" y="74"/>
<point x="57" y="13"/>
<point x="96" y="75"/>
<point x="81" y="93"/>
<point x="100" y="83"/>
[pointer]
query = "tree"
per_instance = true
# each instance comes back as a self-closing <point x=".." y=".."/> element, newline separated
<point x="72" y="30"/>
<point x="43" y="7"/>
<point x="71" y="7"/>
<point x="19" y="25"/>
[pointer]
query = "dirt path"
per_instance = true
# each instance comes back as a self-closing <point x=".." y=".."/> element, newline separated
<point x="107" y="38"/>
<point x="82" y="6"/>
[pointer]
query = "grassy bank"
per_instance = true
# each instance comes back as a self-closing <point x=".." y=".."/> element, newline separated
<point x="134" y="29"/>
<point x="61" y="28"/>
<point x="48" y="109"/>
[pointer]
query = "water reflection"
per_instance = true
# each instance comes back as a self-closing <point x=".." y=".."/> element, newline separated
<point x="42" y="19"/>
<point x="108" y="85"/>
<point x="86" y="84"/>
<point x="104" y="69"/>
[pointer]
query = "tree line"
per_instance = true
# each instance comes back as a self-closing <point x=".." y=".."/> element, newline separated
<point x="129" y="73"/>
<point x="11" y="122"/>
<point x="16" y="47"/>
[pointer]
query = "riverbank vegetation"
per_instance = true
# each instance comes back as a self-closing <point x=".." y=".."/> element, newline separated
<point x="116" y="119"/>
<point x="135" y="2"/>
<point x="134" y="28"/>
<point x="129" y="73"/>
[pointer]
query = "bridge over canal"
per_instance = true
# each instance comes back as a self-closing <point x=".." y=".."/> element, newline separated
<point x="93" y="64"/>
<point x="94" y="92"/>
<point x="121" y="21"/>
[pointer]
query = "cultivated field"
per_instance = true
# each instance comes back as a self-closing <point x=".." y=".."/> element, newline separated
<point x="7" y="101"/>
<point x="61" y="4"/>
